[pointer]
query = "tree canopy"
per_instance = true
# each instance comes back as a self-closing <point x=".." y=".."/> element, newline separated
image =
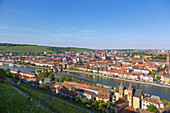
<point x="51" y="76"/>
<point x="152" y="108"/>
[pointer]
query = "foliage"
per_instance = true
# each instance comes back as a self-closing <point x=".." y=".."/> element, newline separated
<point x="158" y="77"/>
<point x="73" y="68"/>
<point x="161" y="57"/>
<point x="65" y="78"/>
<point x="45" y="75"/>
<point x="138" y="53"/>
<point x="13" y="102"/>
<point x="89" y="71"/>
<point x="51" y="76"/>
<point x="152" y="108"/>
<point x="2" y="75"/>
<point x="45" y="86"/>
<point x="85" y="101"/>
<point x="162" y="69"/>
<point x="7" y="70"/>
<point x="166" y="103"/>
<point x="69" y="78"/>
<point x="50" y="101"/>
<point x="56" y="80"/>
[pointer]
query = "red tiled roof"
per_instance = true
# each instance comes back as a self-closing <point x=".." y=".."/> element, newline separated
<point x="153" y="100"/>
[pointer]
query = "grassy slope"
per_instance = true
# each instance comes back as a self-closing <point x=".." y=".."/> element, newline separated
<point x="13" y="102"/>
<point x="51" y="102"/>
<point x="38" y="49"/>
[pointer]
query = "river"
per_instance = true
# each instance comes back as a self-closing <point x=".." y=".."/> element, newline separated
<point x="163" y="92"/>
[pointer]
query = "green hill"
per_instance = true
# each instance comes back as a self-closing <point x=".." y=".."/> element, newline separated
<point x="14" y="102"/>
<point x="6" y="47"/>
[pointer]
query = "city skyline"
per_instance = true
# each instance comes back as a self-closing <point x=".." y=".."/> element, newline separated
<point x="86" y="24"/>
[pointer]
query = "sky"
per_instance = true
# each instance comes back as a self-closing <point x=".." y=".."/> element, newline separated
<point x="95" y="24"/>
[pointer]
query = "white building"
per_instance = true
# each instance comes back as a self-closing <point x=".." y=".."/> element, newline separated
<point x="155" y="100"/>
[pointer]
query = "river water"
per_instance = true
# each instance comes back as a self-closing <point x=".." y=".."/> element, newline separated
<point x="163" y="92"/>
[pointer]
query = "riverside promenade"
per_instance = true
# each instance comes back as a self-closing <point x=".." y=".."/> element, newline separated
<point x="99" y="75"/>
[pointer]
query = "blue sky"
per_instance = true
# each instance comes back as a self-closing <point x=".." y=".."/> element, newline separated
<point x="129" y="24"/>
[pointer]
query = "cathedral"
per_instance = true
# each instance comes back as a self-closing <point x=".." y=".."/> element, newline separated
<point x="132" y="97"/>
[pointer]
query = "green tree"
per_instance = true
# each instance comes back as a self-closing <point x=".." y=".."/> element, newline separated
<point x="2" y="75"/>
<point x="45" y="86"/>
<point x="101" y="105"/>
<point x="87" y="105"/>
<point x="43" y="75"/>
<point x="85" y="101"/>
<point x="61" y="79"/>
<point x="67" y="78"/>
<point x="152" y="108"/>
<point x="166" y="103"/>
<point x="78" y="100"/>
<point x="107" y="103"/>
<point x="51" y="76"/>
<point x="158" y="78"/>
<point x="7" y="70"/>
<point x="56" y="80"/>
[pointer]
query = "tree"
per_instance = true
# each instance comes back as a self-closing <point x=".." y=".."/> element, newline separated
<point x="101" y="105"/>
<point x="152" y="108"/>
<point x="2" y="75"/>
<point x="85" y="101"/>
<point x="107" y="103"/>
<point x="67" y="78"/>
<point x="78" y="100"/>
<point x="61" y="79"/>
<point x="45" y="86"/>
<point x="158" y="78"/>
<point x="87" y="105"/>
<point x="166" y="103"/>
<point x="93" y="99"/>
<point x="7" y="70"/>
<point x="56" y="80"/>
<point x="51" y="76"/>
<point x="43" y="75"/>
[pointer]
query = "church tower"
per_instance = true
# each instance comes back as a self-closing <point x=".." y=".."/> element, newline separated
<point x="121" y="90"/>
<point x="168" y="60"/>
<point x="130" y="95"/>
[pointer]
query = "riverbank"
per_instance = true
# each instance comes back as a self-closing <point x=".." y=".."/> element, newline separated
<point x="93" y="74"/>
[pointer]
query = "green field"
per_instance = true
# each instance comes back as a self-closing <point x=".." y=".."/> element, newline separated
<point x="36" y="49"/>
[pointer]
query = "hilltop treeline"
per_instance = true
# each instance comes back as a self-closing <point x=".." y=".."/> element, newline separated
<point x="10" y="44"/>
<point x="61" y="49"/>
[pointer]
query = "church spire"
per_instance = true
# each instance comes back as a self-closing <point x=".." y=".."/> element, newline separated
<point x="121" y="85"/>
<point x="130" y="86"/>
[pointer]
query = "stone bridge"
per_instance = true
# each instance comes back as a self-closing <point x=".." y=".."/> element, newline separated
<point x="53" y="70"/>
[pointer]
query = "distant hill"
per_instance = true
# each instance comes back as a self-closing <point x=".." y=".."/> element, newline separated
<point x="8" y="47"/>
